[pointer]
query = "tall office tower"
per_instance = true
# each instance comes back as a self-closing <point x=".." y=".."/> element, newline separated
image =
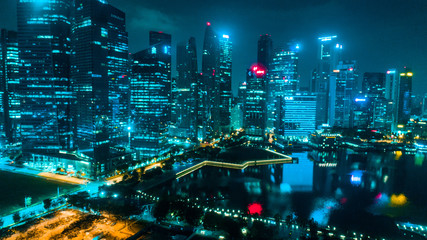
<point x="194" y="76"/>
<point x="265" y="51"/>
<point x="186" y="89"/>
<point x="201" y="101"/>
<point x="342" y="86"/>
<point x="100" y="82"/>
<point x="44" y="51"/>
<point x="373" y="89"/>
<point x="225" y="94"/>
<point x="255" y="110"/>
<point x="236" y="117"/>
<point x="210" y="71"/>
<point x="186" y="63"/>
<point x="328" y="56"/>
<point x="283" y="78"/>
<point x="392" y="94"/>
<point x="284" y="71"/>
<point x="9" y="80"/>
<point x="392" y="85"/>
<point x="150" y="97"/>
<point x="241" y="94"/>
<point x="405" y="92"/>
<point x="296" y="115"/>
<point x="373" y="84"/>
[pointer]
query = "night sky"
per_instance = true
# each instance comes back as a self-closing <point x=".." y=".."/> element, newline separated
<point x="379" y="34"/>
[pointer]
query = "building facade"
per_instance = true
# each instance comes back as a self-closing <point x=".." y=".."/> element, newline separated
<point x="151" y="97"/>
<point x="100" y="82"/>
<point x="296" y="115"/>
<point x="329" y="53"/>
<point x="9" y="83"/>
<point x="44" y="75"/>
<point x="342" y="86"/>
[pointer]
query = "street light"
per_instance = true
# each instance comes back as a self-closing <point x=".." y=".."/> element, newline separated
<point x="129" y="129"/>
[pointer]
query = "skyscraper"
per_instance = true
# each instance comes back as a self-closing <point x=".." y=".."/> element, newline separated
<point x="296" y="115"/>
<point x="328" y="56"/>
<point x="284" y="71"/>
<point x="265" y="50"/>
<point x="185" y="94"/>
<point x="392" y="95"/>
<point x="373" y="89"/>
<point x="283" y="78"/>
<point x="405" y="93"/>
<point x="210" y="72"/>
<point x="342" y="88"/>
<point x="151" y="96"/>
<point x="255" y="109"/>
<point x="9" y="80"/>
<point x="225" y="72"/>
<point x="44" y="43"/>
<point x="373" y="84"/>
<point x="100" y="81"/>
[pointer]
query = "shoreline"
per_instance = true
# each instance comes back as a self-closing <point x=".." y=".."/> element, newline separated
<point x="44" y="175"/>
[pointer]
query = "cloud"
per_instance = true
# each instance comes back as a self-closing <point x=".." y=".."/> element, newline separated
<point x="145" y="19"/>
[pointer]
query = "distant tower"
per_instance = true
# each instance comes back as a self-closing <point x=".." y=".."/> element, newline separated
<point x="255" y="110"/>
<point x="225" y="73"/>
<point x="342" y="88"/>
<point x="210" y="71"/>
<point x="265" y="51"/>
<point x="329" y="54"/>
<point x="186" y="95"/>
<point x="151" y="96"/>
<point x="283" y="78"/>
<point x="373" y="101"/>
<point x="405" y="93"/>
<point x="9" y="80"/>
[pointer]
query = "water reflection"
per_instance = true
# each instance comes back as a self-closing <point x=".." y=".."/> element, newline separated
<point x="315" y="186"/>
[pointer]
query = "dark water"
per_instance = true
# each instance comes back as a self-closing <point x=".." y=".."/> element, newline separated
<point x="323" y="186"/>
<point x="14" y="187"/>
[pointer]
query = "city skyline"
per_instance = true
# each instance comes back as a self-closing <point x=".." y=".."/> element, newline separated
<point x="369" y="31"/>
<point x="134" y="103"/>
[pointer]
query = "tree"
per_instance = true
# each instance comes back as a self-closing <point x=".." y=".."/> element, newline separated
<point x="313" y="229"/>
<point x="16" y="217"/>
<point x="47" y="203"/>
<point x="260" y="231"/>
<point x="193" y="215"/>
<point x="161" y="209"/>
<point x="277" y="219"/>
<point x="211" y="221"/>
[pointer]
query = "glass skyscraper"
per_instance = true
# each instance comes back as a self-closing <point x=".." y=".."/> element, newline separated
<point x="210" y="74"/>
<point x="151" y="96"/>
<point x="44" y="75"/>
<point x="255" y="107"/>
<point x="342" y="87"/>
<point x="100" y="81"/>
<point x="185" y="94"/>
<point x="296" y="115"/>
<point x="225" y="73"/>
<point x="265" y="51"/>
<point x="9" y="80"/>
<point x="405" y="94"/>
<point x="329" y="54"/>
<point x="283" y="78"/>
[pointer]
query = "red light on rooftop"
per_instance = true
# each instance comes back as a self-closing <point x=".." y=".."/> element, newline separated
<point x="259" y="70"/>
<point x="208" y="23"/>
<point x="254" y="208"/>
<point x="160" y="31"/>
